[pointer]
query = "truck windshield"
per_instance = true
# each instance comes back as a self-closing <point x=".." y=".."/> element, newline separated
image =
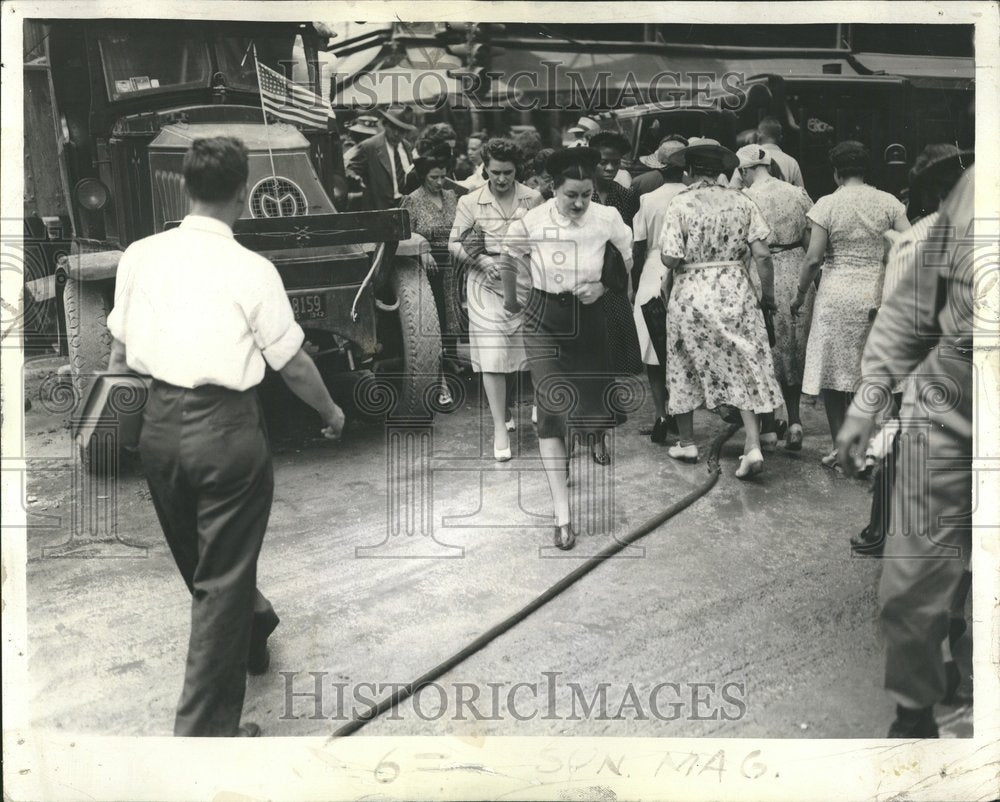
<point x="277" y="52"/>
<point x="143" y="62"/>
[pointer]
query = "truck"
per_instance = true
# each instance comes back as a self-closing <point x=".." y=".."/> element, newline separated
<point x="120" y="102"/>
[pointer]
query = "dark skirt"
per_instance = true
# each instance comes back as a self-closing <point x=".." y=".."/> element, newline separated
<point x="567" y="348"/>
<point x="624" y="357"/>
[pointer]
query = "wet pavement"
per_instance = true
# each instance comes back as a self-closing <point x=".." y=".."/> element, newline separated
<point x="746" y="615"/>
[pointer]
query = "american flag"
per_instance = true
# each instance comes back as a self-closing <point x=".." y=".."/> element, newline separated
<point x="290" y="102"/>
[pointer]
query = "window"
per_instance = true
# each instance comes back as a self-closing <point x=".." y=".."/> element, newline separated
<point x="141" y="62"/>
<point x="277" y="52"/>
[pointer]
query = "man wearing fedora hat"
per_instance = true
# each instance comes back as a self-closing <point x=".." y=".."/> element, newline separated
<point x="380" y="163"/>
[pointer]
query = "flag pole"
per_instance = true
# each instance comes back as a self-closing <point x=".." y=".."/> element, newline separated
<point x="267" y="134"/>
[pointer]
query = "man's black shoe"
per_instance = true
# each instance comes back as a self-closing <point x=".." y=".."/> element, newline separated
<point x="659" y="433"/>
<point x="914" y="723"/>
<point x="868" y="543"/>
<point x="259" y="658"/>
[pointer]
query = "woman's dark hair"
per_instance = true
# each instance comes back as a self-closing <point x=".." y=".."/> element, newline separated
<point x="611" y="139"/>
<point x="538" y="164"/>
<point x="432" y="154"/>
<point x="215" y="168"/>
<point x="850" y="159"/>
<point x="501" y="149"/>
<point x="435" y="133"/>
<point x="579" y="164"/>
<point x="530" y="142"/>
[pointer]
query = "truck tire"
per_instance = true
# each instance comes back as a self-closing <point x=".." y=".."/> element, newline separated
<point x="89" y="343"/>
<point x="421" y="340"/>
<point x="87" y="337"/>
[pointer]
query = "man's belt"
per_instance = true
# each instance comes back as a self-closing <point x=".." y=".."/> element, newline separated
<point x="791" y="246"/>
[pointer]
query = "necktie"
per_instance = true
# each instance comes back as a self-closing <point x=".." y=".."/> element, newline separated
<point x="400" y="174"/>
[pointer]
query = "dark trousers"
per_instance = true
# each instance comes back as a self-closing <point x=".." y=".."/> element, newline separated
<point x="208" y="463"/>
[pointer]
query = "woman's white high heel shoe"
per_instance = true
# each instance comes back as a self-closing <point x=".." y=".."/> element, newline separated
<point x="751" y="464"/>
<point x="501" y="454"/>
<point x="688" y="453"/>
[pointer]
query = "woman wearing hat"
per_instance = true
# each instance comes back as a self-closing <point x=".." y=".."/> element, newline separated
<point x="784" y="207"/>
<point x="717" y="348"/>
<point x="432" y="214"/>
<point x="847" y="240"/>
<point x="554" y="257"/>
<point x="481" y="220"/>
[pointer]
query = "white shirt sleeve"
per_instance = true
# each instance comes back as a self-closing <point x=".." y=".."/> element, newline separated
<point x="272" y="322"/>
<point x="621" y="237"/>
<point x="123" y="293"/>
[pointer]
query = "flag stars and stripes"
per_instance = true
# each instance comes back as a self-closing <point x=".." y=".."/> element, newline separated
<point x="290" y="102"/>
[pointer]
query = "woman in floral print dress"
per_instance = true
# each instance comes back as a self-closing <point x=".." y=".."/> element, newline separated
<point x="717" y="349"/>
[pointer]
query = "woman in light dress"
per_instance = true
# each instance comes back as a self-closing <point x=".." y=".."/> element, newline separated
<point x="481" y="220"/>
<point x="847" y="229"/>
<point x="784" y="207"/>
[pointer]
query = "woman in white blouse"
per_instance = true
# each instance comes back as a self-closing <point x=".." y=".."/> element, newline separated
<point x="553" y="258"/>
<point x="481" y="219"/>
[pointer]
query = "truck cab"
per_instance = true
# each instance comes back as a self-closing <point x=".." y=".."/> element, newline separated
<point x="126" y="99"/>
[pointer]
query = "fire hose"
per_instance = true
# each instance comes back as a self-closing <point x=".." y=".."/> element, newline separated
<point x="549" y="594"/>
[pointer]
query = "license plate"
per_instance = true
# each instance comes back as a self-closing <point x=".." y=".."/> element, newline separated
<point x="308" y="307"/>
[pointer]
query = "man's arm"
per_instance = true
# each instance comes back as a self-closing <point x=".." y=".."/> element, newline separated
<point x="118" y="362"/>
<point x="357" y="162"/>
<point x="302" y="377"/>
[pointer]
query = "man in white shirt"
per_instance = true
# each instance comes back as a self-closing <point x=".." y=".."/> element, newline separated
<point x="769" y="135"/>
<point x="202" y="315"/>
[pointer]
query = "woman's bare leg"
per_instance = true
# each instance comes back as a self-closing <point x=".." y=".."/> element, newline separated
<point x="495" y="385"/>
<point x="752" y="440"/>
<point x="685" y="427"/>
<point x="553" y="453"/>
<point x="835" y="403"/>
<point x="792" y="396"/>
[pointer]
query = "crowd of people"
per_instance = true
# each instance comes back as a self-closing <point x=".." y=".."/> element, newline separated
<point x="712" y="271"/>
<point x="717" y="273"/>
<point x="581" y="280"/>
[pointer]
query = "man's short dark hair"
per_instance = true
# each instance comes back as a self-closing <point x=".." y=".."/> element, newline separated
<point x="215" y="168"/>
<point x="771" y="128"/>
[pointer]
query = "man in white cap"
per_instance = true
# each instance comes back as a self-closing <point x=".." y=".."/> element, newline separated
<point x="584" y="128"/>
<point x="769" y="135"/>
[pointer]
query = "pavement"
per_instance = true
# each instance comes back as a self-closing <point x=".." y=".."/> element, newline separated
<point x="746" y="615"/>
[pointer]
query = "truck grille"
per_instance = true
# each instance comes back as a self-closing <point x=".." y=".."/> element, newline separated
<point x="276" y="196"/>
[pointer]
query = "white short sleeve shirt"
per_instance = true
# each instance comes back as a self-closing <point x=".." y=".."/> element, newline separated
<point x="194" y="307"/>
<point x="563" y="253"/>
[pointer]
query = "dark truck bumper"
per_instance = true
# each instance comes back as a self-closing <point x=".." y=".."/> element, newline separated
<point x="328" y="275"/>
<point x="332" y="303"/>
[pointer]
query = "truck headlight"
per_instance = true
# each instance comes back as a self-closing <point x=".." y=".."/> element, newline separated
<point x="91" y="194"/>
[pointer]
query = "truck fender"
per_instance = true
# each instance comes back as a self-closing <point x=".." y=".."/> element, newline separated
<point x="92" y="266"/>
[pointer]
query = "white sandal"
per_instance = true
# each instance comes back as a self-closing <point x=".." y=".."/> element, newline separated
<point x="751" y="464"/>
<point x="688" y="453"/>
